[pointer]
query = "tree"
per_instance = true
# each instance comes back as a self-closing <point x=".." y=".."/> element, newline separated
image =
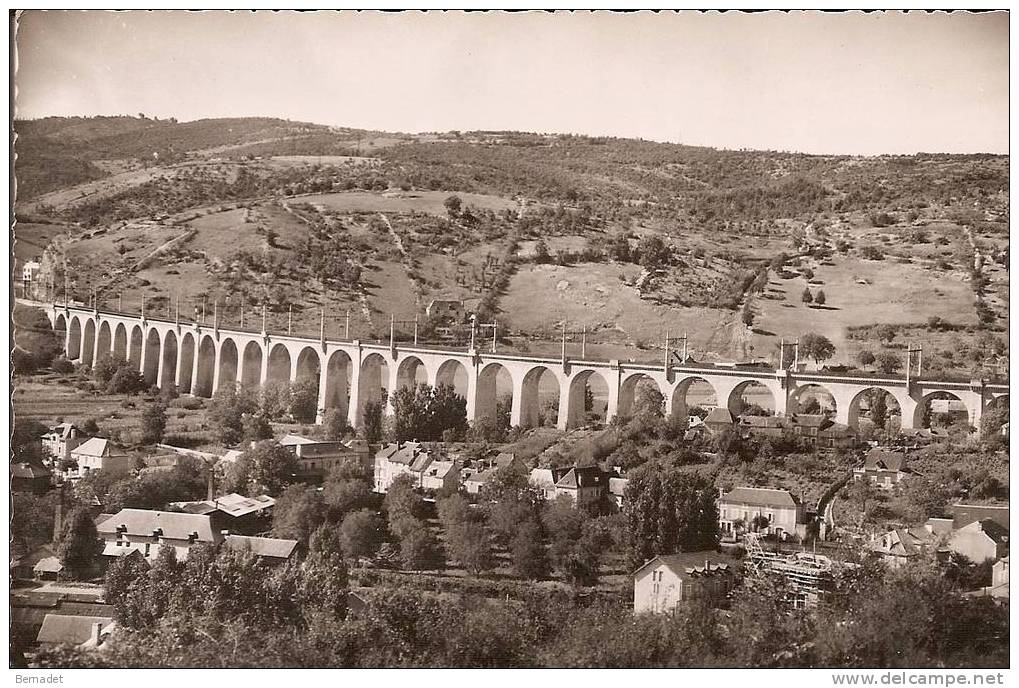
<point x="264" y="468"/>
<point x="423" y="413"/>
<point x="541" y="254"/>
<point x="653" y="252"/>
<point x="226" y="413"/>
<point x="360" y="534"/>
<point x="344" y="495"/>
<point x="419" y="550"/>
<point x="529" y="557"/>
<point x="620" y="249"/>
<point x="126" y="380"/>
<point x="820" y="298"/>
<point x="298" y="512"/>
<point x="648" y="401"/>
<point x="153" y="423"/>
<point x="335" y="425"/>
<point x="807" y="296"/>
<point x="865" y="357"/>
<point x="888" y="362"/>
<point x="404" y="507"/>
<point x="817" y="346"/>
<point x="878" y="408"/>
<point x="470" y="544"/>
<point x="453" y="205"/>
<point x="371" y="418"/>
<point x="304" y="401"/>
<point x="79" y="546"/>
<point x="669" y="511"/>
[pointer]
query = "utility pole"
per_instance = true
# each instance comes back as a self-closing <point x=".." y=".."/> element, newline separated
<point x="415" y="329"/>
<point x="495" y="333"/>
<point x="264" y="331"/>
<point x="392" y="332"/>
<point x="474" y="327"/>
<point x="909" y="361"/>
<point x="215" y="315"/>
<point x="564" y="343"/>
<point x="290" y="319"/>
<point x="143" y="305"/>
<point x="322" y="327"/>
<point x="583" y="343"/>
<point x="203" y="309"/>
<point x="242" y="310"/>
<point x="176" y="310"/>
<point x="346" y="326"/>
<point x="781" y="354"/>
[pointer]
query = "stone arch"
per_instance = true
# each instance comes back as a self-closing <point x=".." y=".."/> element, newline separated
<point x="252" y="375"/>
<point x="493" y="382"/>
<point x="134" y="351"/>
<point x="454" y="373"/>
<point x="279" y="364"/>
<point x="373" y="381"/>
<point x="88" y="342"/>
<point x="539" y="397"/>
<point x="169" y="362"/>
<point x="74" y="339"/>
<point x="152" y="351"/>
<point x="120" y="341"/>
<point x="628" y="391"/>
<point x="60" y="329"/>
<point x="866" y="396"/>
<point x="339" y="372"/>
<point x="924" y="414"/>
<point x="206" y="355"/>
<point x="187" y="362"/>
<point x="411" y="372"/>
<point x="309" y="367"/>
<point x="228" y="362"/>
<point x="750" y="392"/>
<point x="800" y="399"/>
<point x="104" y="343"/>
<point x="577" y="412"/>
<point x="697" y="388"/>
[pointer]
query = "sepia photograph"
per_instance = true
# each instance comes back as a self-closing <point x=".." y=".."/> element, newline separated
<point x="509" y="339"/>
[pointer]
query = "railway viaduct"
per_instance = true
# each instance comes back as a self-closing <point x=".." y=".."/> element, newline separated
<point x="199" y="359"/>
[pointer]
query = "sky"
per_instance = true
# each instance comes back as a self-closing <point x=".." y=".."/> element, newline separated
<point x="850" y="83"/>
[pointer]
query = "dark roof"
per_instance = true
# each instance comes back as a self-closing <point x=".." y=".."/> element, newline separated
<point x="262" y="547"/>
<point x="886" y="460"/>
<point x="811" y="420"/>
<point x="174" y="525"/>
<point x="588" y="476"/>
<point x="761" y="496"/>
<point x="73" y="630"/>
<point x="993" y="530"/>
<point x="687" y="564"/>
<point x="964" y="514"/>
<point x="762" y="421"/>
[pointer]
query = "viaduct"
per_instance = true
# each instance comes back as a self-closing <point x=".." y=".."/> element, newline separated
<point x="199" y="359"/>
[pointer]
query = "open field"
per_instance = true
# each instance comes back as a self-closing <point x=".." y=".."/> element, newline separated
<point x="430" y="202"/>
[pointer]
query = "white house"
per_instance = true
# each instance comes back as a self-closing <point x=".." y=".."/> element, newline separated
<point x="60" y="440"/>
<point x="738" y="509"/>
<point x="98" y="454"/>
<point x="666" y="582"/>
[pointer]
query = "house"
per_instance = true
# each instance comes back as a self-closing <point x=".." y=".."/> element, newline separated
<point x="544" y="479"/>
<point x="441" y="476"/>
<point x="617" y="488"/>
<point x="30" y="477"/>
<point x="315" y="458"/>
<point x="999" y="573"/>
<point x="763" y="426"/>
<point x="448" y="309"/>
<point x="980" y="541"/>
<point x="836" y="436"/>
<point x="883" y="468"/>
<point x="60" y="440"/>
<point x="476" y="479"/>
<point x="899" y="545"/>
<point x="585" y="486"/>
<point x="775" y="512"/>
<point x="30" y="270"/>
<point x="666" y="582"/>
<point x="30" y="606"/>
<point x="269" y="550"/>
<point x="58" y="629"/>
<point x="393" y="460"/>
<point x="41" y="563"/>
<point x="807" y="426"/>
<point x="719" y="419"/>
<point x="234" y="512"/>
<point x="98" y="454"/>
<point x="509" y="460"/>
<point x="146" y="531"/>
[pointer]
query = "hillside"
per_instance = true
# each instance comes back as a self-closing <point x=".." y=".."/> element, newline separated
<point x="623" y="238"/>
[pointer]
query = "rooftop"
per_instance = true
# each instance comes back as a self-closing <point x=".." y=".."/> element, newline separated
<point x="763" y="496"/>
<point x="275" y="548"/>
<point x="58" y="629"/>
<point x="173" y="525"/>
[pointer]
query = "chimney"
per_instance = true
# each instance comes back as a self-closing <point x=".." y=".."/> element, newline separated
<point x="97" y="629"/>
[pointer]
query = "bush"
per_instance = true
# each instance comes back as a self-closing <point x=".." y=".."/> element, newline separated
<point x="188" y="403"/>
<point x="62" y="365"/>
